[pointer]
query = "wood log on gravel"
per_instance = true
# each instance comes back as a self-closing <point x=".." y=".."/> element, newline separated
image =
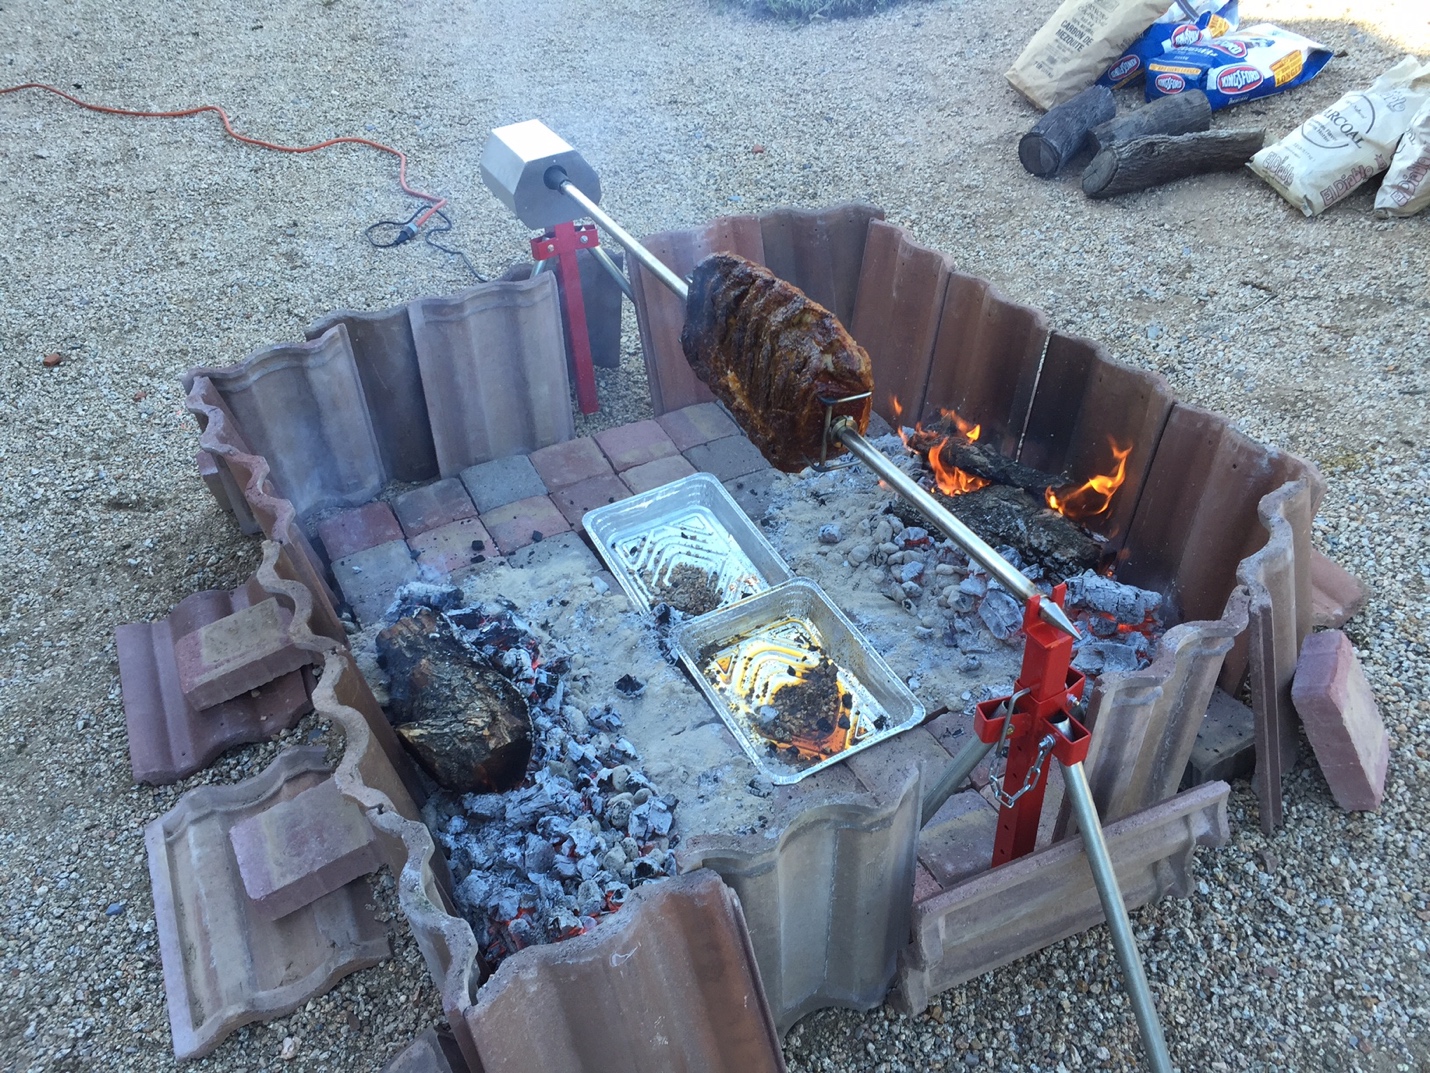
<point x="1181" y="113"/>
<point x="1060" y="135"/>
<point x="1145" y="162"/>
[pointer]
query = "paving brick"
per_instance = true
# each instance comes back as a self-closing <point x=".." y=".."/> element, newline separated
<point x="224" y="964"/>
<point x="755" y="491"/>
<point x="654" y="474"/>
<point x="566" y="553"/>
<point x="501" y="481"/>
<point x="238" y="653"/>
<point x="691" y="426"/>
<point x="1336" y="706"/>
<point x="369" y="579"/>
<point x="1226" y="742"/>
<point x="424" y="509"/>
<point x="298" y="850"/>
<point x="958" y="841"/>
<point x="575" y="501"/>
<point x="635" y="444"/>
<point x="449" y="549"/>
<point x="356" y="530"/>
<point x="731" y="457"/>
<point x="512" y="526"/>
<point x="564" y="464"/>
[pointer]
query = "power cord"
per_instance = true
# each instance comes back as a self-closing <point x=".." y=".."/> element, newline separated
<point x="407" y="229"/>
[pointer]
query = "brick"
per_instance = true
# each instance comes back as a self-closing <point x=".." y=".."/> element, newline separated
<point x="691" y="426"/>
<point x="732" y="457"/>
<point x="370" y="579"/>
<point x="1225" y="748"/>
<point x="564" y="464"/>
<point x="298" y="850"/>
<point x="357" y="530"/>
<point x="755" y="491"/>
<point x="501" y="481"/>
<point x="448" y="549"/>
<point x="958" y="841"/>
<point x="575" y="501"/>
<point x="227" y="658"/>
<point x="440" y="503"/>
<point x="1336" y="594"/>
<point x="635" y="444"/>
<point x="511" y="526"/>
<point x="566" y="553"/>
<point x="654" y="474"/>
<point x="1342" y="721"/>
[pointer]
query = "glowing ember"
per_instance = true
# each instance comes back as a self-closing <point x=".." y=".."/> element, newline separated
<point x="1094" y="496"/>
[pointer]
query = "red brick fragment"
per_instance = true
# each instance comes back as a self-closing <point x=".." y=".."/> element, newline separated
<point x="1342" y="721"/>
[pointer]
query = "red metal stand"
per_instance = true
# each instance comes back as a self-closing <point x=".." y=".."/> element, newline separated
<point x="1043" y="698"/>
<point x="562" y="242"/>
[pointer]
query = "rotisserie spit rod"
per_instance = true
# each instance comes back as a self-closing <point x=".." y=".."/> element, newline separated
<point x="844" y="431"/>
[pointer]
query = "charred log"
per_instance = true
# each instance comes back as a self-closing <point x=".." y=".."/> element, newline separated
<point x="982" y="460"/>
<point x="464" y="722"/>
<point x="1003" y="515"/>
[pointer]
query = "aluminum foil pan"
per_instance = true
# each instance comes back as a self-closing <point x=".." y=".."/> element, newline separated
<point x="796" y="683"/>
<point x="687" y="544"/>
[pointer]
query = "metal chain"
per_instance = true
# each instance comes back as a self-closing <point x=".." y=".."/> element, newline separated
<point x="995" y="782"/>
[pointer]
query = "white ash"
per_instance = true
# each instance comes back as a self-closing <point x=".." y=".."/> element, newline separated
<point x="545" y="861"/>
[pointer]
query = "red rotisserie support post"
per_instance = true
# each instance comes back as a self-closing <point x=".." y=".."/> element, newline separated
<point x="562" y="242"/>
<point x="1032" y="721"/>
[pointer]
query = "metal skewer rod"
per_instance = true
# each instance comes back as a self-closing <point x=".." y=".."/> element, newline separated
<point x="1134" y="977"/>
<point x="976" y="547"/>
<point x="604" y="260"/>
<point x="953" y="777"/>
<point x="652" y="263"/>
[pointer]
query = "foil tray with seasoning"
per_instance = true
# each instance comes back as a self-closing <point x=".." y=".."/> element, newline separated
<point x="795" y="681"/>
<point x="686" y="544"/>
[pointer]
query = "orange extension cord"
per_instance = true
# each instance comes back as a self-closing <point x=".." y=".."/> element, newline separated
<point x="435" y="203"/>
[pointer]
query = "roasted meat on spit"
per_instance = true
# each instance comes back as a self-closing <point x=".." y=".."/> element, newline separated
<point x="774" y="358"/>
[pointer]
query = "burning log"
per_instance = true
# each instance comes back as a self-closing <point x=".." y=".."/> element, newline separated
<point x="1010" y="516"/>
<point x="464" y="722"/>
<point x="977" y="458"/>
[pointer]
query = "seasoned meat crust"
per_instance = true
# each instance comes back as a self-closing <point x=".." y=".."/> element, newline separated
<point x="770" y="355"/>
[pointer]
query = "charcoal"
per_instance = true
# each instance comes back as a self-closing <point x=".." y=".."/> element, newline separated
<point x="576" y="723"/>
<point x="1100" y="625"/>
<point x="1010" y="553"/>
<point x="564" y="867"/>
<point x="1106" y="657"/>
<point x="830" y="534"/>
<point x="604" y="718"/>
<point x="911" y="571"/>
<point x="972" y="638"/>
<point x="614" y="860"/>
<point x="629" y="686"/>
<point x="970" y="664"/>
<point x="617" y="893"/>
<point x="618" y="810"/>
<point x="974" y="585"/>
<point x="1001" y="613"/>
<point x="1127" y="603"/>
<point x="419" y="594"/>
<point x="539" y="855"/>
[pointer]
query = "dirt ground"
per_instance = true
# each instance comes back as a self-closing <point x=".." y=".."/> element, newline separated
<point x="136" y="249"/>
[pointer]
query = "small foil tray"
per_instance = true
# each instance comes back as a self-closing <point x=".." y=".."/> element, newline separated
<point x="687" y="544"/>
<point x="795" y="682"/>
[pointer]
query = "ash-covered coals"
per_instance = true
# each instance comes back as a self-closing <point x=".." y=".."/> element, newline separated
<point x="690" y="590"/>
<point x="1119" y="624"/>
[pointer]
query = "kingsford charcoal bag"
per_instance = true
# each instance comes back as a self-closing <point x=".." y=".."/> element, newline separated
<point x="1240" y="66"/>
<point x="1186" y="22"/>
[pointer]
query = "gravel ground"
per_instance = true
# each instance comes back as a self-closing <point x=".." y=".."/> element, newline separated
<point x="137" y="249"/>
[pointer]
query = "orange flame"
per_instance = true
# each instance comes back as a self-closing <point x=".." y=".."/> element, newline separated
<point x="951" y="480"/>
<point x="1094" y="496"/>
<point x="970" y="431"/>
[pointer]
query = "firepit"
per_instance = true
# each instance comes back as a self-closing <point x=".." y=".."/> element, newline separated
<point x="846" y="839"/>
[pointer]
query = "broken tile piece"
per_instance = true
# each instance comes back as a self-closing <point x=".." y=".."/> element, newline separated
<point x="635" y="444"/>
<point x="501" y="481"/>
<point x="439" y="503"/>
<point x="238" y="653"/>
<point x="515" y="525"/>
<point x="691" y="426"/>
<point x="224" y="964"/>
<point x="564" y="464"/>
<point x="352" y="531"/>
<point x="452" y="549"/>
<point x="731" y="457"/>
<point x="294" y="852"/>
<point x="370" y="579"/>
<point x="1336" y="706"/>
<point x="666" y="983"/>
<point x="575" y="501"/>
<point x="1336" y="594"/>
<point x="652" y="475"/>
